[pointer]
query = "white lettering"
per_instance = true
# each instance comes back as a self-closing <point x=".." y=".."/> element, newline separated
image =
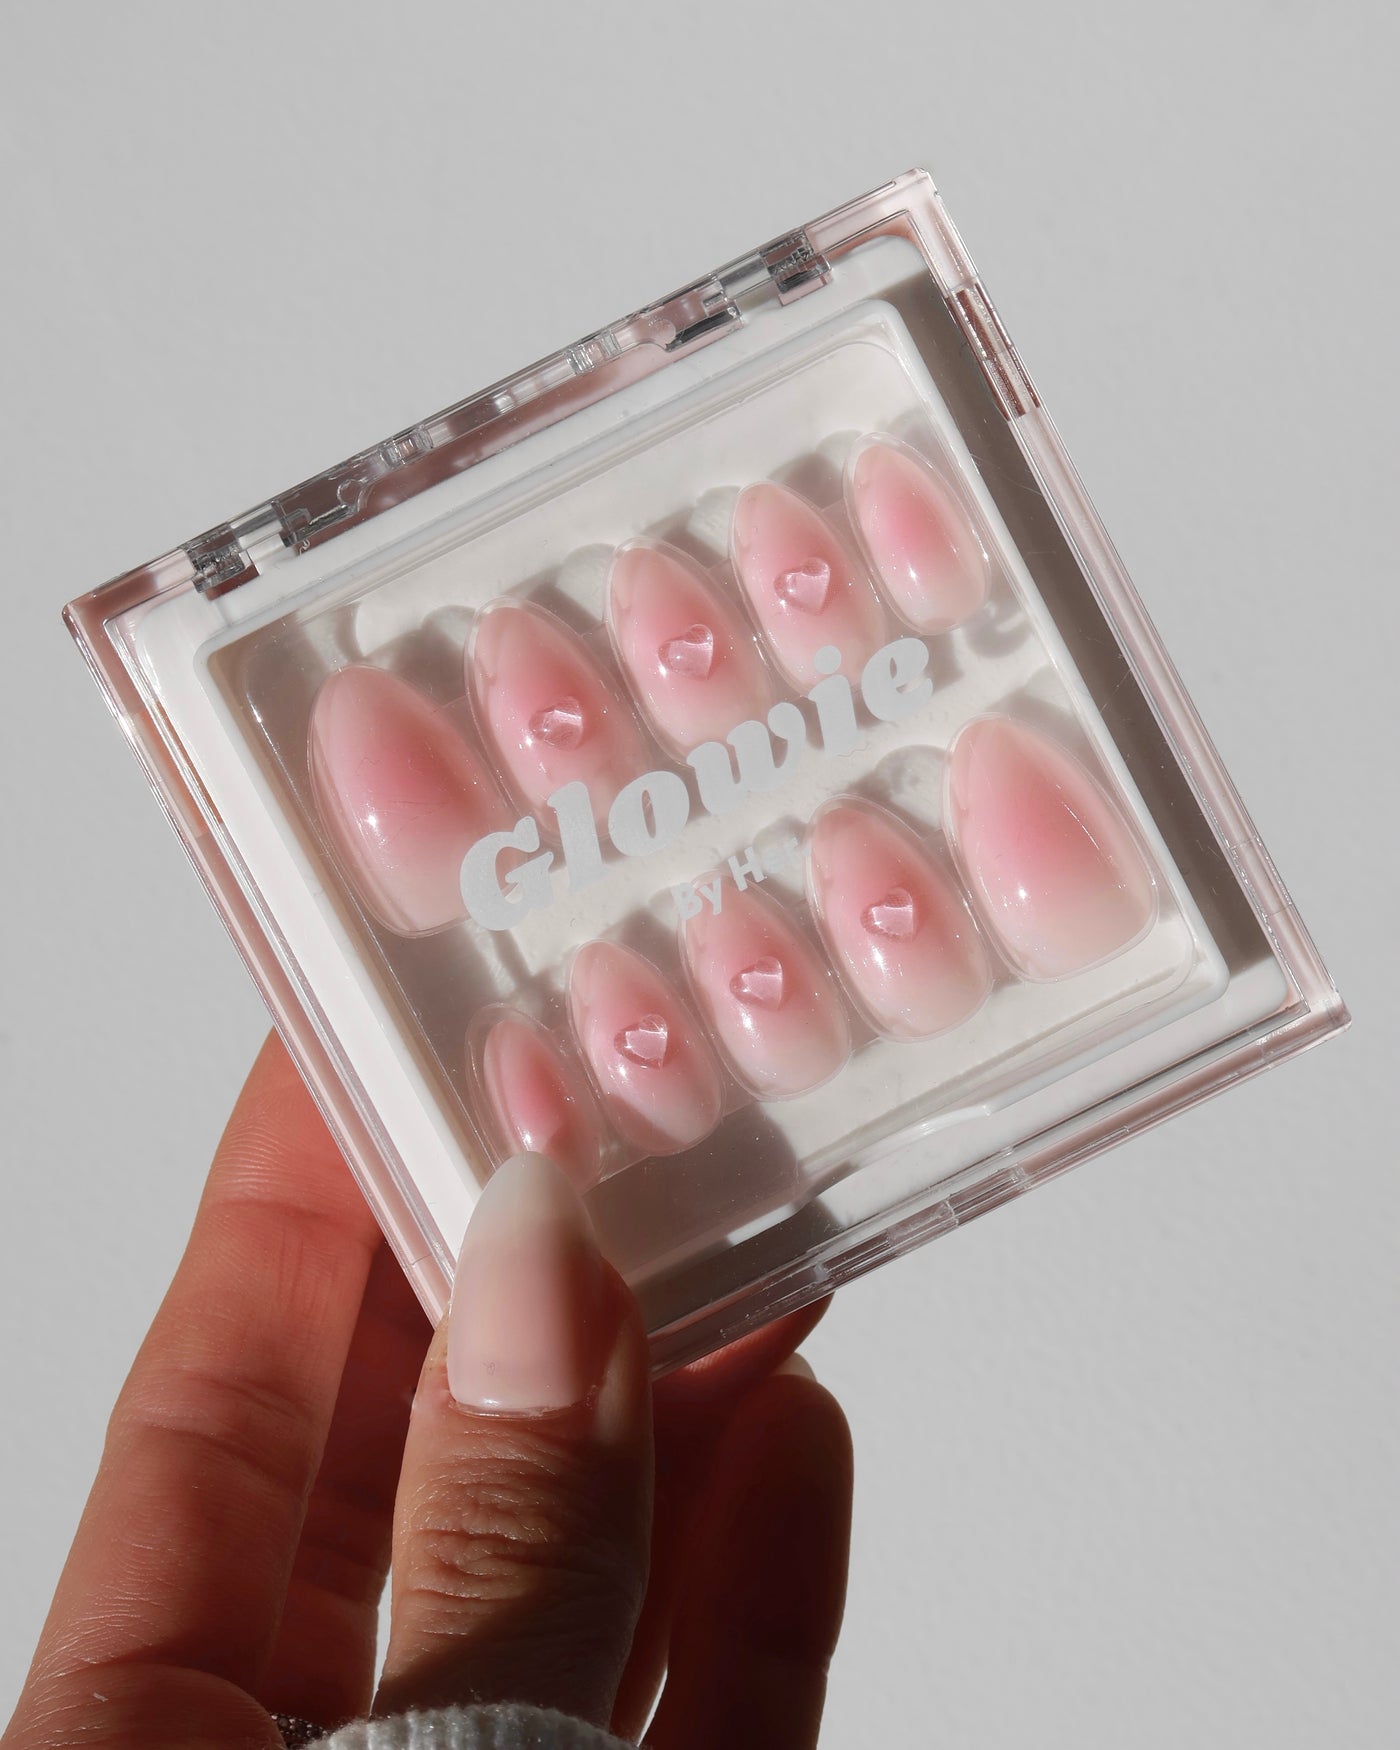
<point x="667" y="799"/>
<point x="578" y="835"/>
<point x="482" y="893"/>
<point x="893" y="683"/>
<point x="835" y="709"/>
<point x="757" y="770"/>
<point x="745" y="868"/>
<point x="652" y="811"/>
<point x="687" y="901"/>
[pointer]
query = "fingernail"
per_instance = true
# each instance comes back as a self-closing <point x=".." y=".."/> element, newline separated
<point x="659" y="1081"/>
<point x="401" y="795"/>
<point x="524" y="1333"/>
<point x="926" y="555"/>
<point x="538" y="1099"/>
<point x="689" y="657"/>
<point x="766" y="995"/>
<point x="896" y="926"/>
<point x="802" y="584"/>
<point x="548" y="709"/>
<point x="1052" y="866"/>
<point x="797" y="1367"/>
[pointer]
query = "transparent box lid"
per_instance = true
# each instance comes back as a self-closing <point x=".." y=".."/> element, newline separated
<point x="728" y="756"/>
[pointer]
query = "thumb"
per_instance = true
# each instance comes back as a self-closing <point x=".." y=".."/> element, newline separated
<point x="523" y="1517"/>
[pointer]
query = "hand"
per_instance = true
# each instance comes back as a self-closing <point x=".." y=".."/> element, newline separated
<point x="268" y="1452"/>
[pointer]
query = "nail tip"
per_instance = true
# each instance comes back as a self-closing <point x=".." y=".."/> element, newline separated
<point x="521" y="1337"/>
<point x="1058" y="875"/>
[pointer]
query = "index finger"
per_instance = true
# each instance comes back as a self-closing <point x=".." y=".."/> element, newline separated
<point x="186" y="1544"/>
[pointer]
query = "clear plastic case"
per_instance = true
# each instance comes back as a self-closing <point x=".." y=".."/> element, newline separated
<point x="729" y="757"/>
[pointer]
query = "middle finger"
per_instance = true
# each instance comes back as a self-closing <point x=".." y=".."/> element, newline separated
<point x="322" y="1667"/>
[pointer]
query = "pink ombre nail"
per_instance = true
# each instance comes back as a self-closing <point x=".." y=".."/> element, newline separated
<point x="765" y="994"/>
<point x="524" y="1333"/>
<point x="401" y="795"/>
<point x="926" y="555"/>
<point x="658" y="1079"/>
<point x="688" y="655"/>
<point x="1051" y="864"/>
<point x="804" y="588"/>
<point x="895" y="925"/>
<point x="548" y="710"/>
<point x="539" y="1101"/>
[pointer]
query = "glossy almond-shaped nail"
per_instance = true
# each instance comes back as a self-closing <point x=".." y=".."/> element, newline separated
<point x="688" y="656"/>
<point x="658" y="1078"/>
<point x="766" y="994"/>
<point x="548" y="710"/>
<point x="802" y="584"/>
<point x="924" y="552"/>
<point x="523" y="1334"/>
<point x="539" y="1100"/>
<point x="1050" y="862"/>
<point x="894" y="923"/>
<point x="401" y="796"/>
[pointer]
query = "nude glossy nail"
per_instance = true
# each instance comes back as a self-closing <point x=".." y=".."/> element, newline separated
<point x="539" y="1100"/>
<point x="766" y="995"/>
<point x="401" y="796"/>
<point x="548" y="709"/>
<point x="658" y="1078"/>
<point x="1051" y="864"/>
<point x="688" y="655"/>
<point x="524" y="1332"/>
<point x="895" y="924"/>
<point x="802" y="584"/>
<point x="925" y="553"/>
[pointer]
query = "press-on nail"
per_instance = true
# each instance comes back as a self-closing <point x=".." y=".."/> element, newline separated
<point x="401" y="795"/>
<point x="524" y="1334"/>
<point x="687" y="653"/>
<point x="658" y="1079"/>
<point x="538" y="1099"/>
<point x="926" y="556"/>
<point x="803" y="586"/>
<point x="896" y="927"/>
<point x="1051" y="864"/>
<point x="766" y="995"/>
<point x="548" y="710"/>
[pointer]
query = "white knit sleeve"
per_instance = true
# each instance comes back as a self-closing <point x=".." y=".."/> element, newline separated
<point x="501" y="1726"/>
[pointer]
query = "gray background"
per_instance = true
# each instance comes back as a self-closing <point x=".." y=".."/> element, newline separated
<point x="1127" y="1448"/>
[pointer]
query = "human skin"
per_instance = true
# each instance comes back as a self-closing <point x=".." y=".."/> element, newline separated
<point x="288" y="1425"/>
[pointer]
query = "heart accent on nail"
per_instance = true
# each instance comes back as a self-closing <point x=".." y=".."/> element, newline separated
<point x="891" y="916"/>
<point x="644" y="1041"/>
<point x="761" y="984"/>
<point x="560" y="724"/>
<point x="806" y="586"/>
<point x="693" y="653"/>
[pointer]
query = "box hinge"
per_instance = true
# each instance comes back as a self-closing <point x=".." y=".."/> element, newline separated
<point x="320" y="508"/>
<point x="788" y="268"/>
<point x="234" y="553"/>
<point x="795" y="267"/>
<point x="992" y="348"/>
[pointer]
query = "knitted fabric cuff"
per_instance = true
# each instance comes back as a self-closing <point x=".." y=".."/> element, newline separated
<point x="501" y="1726"/>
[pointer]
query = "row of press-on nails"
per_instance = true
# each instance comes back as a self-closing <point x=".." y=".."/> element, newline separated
<point x="1055" y="876"/>
<point x="404" y="797"/>
<point x="688" y="655"/>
